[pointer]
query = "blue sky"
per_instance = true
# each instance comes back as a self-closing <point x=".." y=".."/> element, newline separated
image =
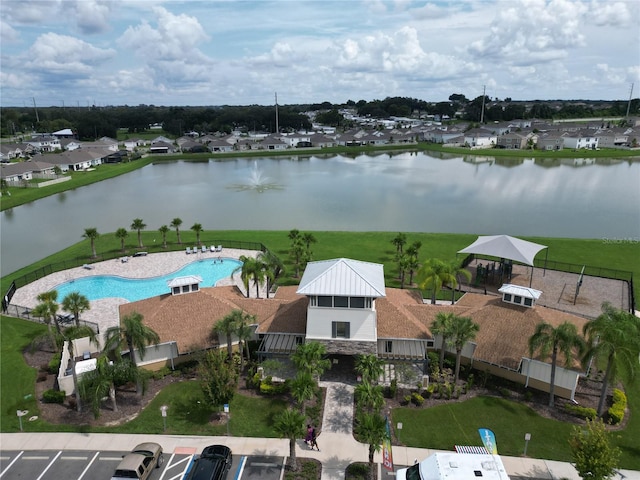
<point x="240" y="52"/>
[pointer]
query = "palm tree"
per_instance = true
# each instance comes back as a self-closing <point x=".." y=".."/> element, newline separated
<point x="163" y="231"/>
<point x="455" y="269"/>
<point x="310" y="357"/>
<point x="290" y="424"/>
<point x="463" y="330"/>
<point x="613" y="340"/>
<point x="371" y="428"/>
<point x="258" y="274"/>
<point x="196" y="227"/>
<point x="175" y="223"/>
<point x="49" y="302"/>
<point x="370" y="367"/>
<point x="442" y="326"/>
<point x="303" y="388"/>
<point x="399" y="241"/>
<point x="246" y="271"/>
<point x="294" y="234"/>
<point x="135" y="334"/>
<point x="121" y="233"/>
<point x="564" y="339"/>
<point x="413" y="251"/>
<point x="100" y="382"/>
<point x="227" y="326"/>
<point x="433" y="274"/>
<point x="308" y="239"/>
<point x="404" y="262"/>
<point x="369" y="397"/>
<point x="42" y="311"/>
<point x="75" y="303"/>
<point x="70" y="334"/>
<point x="273" y="270"/>
<point x="92" y="233"/>
<point x="244" y="332"/>
<point x="138" y="225"/>
<point x="298" y="254"/>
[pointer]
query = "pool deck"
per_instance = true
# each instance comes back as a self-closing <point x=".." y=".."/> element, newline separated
<point x="104" y="312"/>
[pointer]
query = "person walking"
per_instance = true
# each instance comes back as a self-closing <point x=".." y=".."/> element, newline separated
<point x="309" y="437"/>
<point x="314" y="439"/>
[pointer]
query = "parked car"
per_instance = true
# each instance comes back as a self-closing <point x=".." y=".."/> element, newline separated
<point x="213" y="464"/>
<point x="140" y="462"/>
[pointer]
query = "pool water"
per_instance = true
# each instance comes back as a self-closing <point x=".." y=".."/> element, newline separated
<point x="108" y="286"/>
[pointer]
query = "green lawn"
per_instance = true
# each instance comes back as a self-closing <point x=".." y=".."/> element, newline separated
<point x="188" y="413"/>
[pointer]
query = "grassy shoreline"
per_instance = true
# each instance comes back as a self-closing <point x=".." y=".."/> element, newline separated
<point x="21" y="196"/>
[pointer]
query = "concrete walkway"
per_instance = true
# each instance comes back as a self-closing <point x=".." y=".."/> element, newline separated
<point x="337" y="446"/>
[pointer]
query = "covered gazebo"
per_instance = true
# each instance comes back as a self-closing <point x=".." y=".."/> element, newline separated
<point x="506" y="247"/>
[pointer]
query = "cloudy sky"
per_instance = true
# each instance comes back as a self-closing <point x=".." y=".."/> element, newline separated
<point x="240" y="52"/>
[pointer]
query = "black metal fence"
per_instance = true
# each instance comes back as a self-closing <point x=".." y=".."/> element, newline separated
<point x="64" y="320"/>
<point x="602" y="272"/>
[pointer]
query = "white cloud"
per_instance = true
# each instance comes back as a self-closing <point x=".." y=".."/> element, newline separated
<point x="92" y="16"/>
<point x="53" y="53"/>
<point x="8" y="34"/>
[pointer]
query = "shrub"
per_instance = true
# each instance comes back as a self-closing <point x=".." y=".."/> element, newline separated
<point x="470" y="380"/>
<point x="582" y="412"/>
<point x="528" y="396"/>
<point x="160" y="374"/>
<point x="406" y="399"/>
<point x="393" y="388"/>
<point x="54" y="364"/>
<point x="53" y="396"/>
<point x="616" y="411"/>
<point x="434" y="361"/>
<point x="417" y="399"/>
<point x="505" y="392"/>
<point x="270" y="388"/>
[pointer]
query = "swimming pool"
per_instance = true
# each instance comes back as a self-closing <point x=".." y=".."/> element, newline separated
<point x="134" y="289"/>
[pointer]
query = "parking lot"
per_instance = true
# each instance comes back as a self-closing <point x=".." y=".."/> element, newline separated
<point x="93" y="465"/>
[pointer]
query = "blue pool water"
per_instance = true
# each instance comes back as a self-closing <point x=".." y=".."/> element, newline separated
<point x="107" y="286"/>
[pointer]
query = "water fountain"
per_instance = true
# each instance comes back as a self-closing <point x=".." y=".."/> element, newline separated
<point x="257" y="181"/>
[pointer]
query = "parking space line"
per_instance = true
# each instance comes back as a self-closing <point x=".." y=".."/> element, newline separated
<point x="12" y="462"/>
<point x="50" y="464"/>
<point x="36" y="457"/>
<point x="243" y="462"/>
<point x="170" y="464"/>
<point x="88" y="466"/>
<point x="111" y="458"/>
<point x="68" y="457"/>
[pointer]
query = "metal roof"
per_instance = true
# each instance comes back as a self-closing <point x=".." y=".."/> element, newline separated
<point x="344" y="277"/>
<point x="526" y="292"/>
<point x="181" y="281"/>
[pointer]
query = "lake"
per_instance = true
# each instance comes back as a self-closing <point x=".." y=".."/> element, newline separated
<point x="398" y="192"/>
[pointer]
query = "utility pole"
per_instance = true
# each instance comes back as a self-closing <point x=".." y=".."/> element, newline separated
<point x="484" y="89"/>
<point x="629" y="103"/>
<point x="277" y="127"/>
<point x="36" y="109"/>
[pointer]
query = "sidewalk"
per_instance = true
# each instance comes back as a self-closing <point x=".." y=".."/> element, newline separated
<point x="338" y="448"/>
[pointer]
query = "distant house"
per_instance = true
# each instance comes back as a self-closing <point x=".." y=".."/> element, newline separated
<point x="513" y="141"/>
<point x="480" y="138"/>
<point x="219" y="145"/>
<point x="64" y="133"/>
<point x="45" y="143"/>
<point x="20" y="171"/>
<point x="272" y="142"/>
<point x="580" y="139"/>
<point x="161" y="147"/>
<point x="191" y="146"/>
<point x="75" y="160"/>
<point x="550" y="141"/>
<point x="132" y="143"/>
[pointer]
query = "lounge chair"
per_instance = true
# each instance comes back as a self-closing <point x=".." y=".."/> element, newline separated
<point x="86" y="266"/>
<point x="204" y="249"/>
<point x="213" y="248"/>
<point x="188" y="250"/>
<point x="86" y="355"/>
<point x="124" y="259"/>
<point x="219" y="249"/>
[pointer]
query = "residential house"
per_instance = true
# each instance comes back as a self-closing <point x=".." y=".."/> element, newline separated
<point x="75" y="160"/>
<point x="45" y="143"/>
<point x="550" y="141"/>
<point x="191" y="146"/>
<point x="580" y="139"/>
<point x="20" y="171"/>
<point x="273" y="142"/>
<point x="9" y="151"/>
<point x="218" y="145"/>
<point x="131" y="144"/>
<point x="480" y="138"/>
<point x="513" y="141"/>
<point x="161" y="147"/>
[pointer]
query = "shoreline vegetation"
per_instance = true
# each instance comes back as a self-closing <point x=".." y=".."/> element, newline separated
<point x="20" y="196"/>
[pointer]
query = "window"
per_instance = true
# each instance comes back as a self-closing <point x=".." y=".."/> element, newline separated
<point x="368" y="302"/>
<point x="507" y="297"/>
<point x="341" y="302"/>
<point x="517" y="299"/>
<point x="340" y="329"/>
<point x="176" y="290"/>
<point x="313" y="301"/>
<point x="194" y="287"/>
<point x="528" y="302"/>
<point x="357" y="302"/>
<point x="325" y="301"/>
<point x="185" y="289"/>
<point x="388" y="346"/>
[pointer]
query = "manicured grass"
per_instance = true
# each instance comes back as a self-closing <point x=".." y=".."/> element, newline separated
<point x="366" y="246"/>
<point x="444" y="426"/>
<point x="189" y="413"/>
<point x="17" y="380"/>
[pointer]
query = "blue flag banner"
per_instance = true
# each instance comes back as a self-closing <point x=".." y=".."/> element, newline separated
<point x="488" y="440"/>
<point x="387" y="456"/>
